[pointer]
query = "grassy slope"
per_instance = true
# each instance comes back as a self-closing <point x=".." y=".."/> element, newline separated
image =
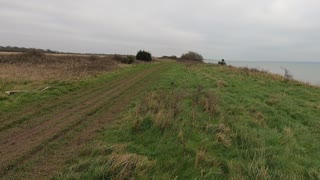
<point x="204" y="121"/>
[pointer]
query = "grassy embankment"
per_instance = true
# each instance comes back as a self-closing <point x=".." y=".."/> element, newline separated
<point x="206" y="121"/>
<point x="195" y="121"/>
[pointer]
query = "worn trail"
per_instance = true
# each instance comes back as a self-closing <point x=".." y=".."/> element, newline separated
<point x="72" y="125"/>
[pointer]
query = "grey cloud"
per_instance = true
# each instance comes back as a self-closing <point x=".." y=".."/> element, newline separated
<point x="232" y="29"/>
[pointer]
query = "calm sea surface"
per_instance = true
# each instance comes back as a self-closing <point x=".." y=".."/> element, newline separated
<point x="303" y="71"/>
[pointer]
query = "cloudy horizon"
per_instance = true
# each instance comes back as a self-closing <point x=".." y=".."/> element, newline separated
<point x="267" y="30"/>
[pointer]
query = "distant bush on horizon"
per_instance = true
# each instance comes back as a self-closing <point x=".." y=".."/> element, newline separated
<point x="23" y="49"/>
<point x="169" y="57"/>
<point x="144" y="56"/>
<point x="34" y="53"/>
<point x="193" y="56"/>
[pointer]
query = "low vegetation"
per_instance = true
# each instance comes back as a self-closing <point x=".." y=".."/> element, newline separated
<point x="35" y="65"/>
<point x="124" y="59"/>
<point x="287" y="74"/>
<point x="173" y="57"/>
<point x="192" y="56"/>
<point x="23" y="49"/>
<point x="144" y="56"/>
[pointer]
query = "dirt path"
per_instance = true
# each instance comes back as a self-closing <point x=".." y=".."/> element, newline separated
<point x="71" y="127"/>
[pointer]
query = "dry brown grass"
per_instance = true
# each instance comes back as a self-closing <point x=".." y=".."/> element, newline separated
<point x="9" y="53"/>
<point x="163" y="119"/>
<point x="259" y="119"/>
<point x="181" y="138"/>
<point x="209" y="102"/>
<point x="221" y="83"/>
<point x="162" y="107"/>
<point x="126" y="166"/>
<point x="18" y="67"/>
<point x="200" y="157"/>
<point x="223" y="135"/>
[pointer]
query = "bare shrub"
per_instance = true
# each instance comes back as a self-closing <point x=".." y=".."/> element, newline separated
<point x="193" y="56"/>
<point x="287" y="74"/>
<point x="124" y="59"/>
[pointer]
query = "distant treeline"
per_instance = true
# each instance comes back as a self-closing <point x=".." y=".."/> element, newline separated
<point x="23" y="49"/>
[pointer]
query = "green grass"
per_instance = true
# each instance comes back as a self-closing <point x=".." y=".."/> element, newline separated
<point x="57" y="88"/>
<point x="210" y="122"/>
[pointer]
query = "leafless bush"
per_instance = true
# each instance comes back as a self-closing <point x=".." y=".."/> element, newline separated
<point x="193" y="56"/>
<point x="287" y="74"/>
<point x="124" y="59"/>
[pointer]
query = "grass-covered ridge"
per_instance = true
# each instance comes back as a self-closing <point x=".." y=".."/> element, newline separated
<point x="206" y="121"/>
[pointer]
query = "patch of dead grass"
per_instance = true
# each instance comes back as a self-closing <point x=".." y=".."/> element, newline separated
<point x="127" y="166"/>
<point x="62" y="68"/>
<point x="223" y="135"/>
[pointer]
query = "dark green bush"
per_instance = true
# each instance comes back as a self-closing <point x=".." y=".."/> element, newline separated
<point x="144" y="56"/>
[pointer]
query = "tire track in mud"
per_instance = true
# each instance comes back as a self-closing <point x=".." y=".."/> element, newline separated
<point x="71" y="111"/>
<point x="40" y="108"/>
<point x="29" y="142"/>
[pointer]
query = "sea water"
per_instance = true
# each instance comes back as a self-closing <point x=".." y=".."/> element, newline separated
<point x="303" y="71"/>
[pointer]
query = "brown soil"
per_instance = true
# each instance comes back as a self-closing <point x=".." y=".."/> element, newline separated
<point x="69" y="126"/>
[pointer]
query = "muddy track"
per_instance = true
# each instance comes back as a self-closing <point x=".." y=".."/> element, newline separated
<point x="20" y="146"/>
<point x="86" y="102"/>
<point x="43" y="108"/>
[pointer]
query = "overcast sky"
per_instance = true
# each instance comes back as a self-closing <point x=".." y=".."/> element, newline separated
<point x="276" y="30"/>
